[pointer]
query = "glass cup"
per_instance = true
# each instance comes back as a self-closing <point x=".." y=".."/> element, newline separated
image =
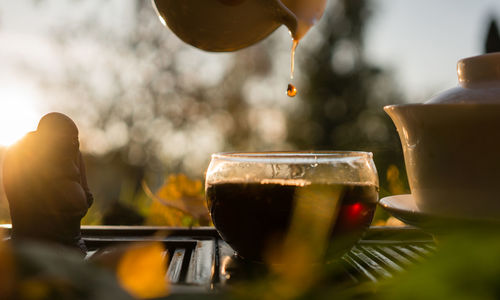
<point x="268" y="204"/>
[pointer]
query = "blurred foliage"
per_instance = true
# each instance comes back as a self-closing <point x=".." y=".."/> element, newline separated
<point x="166" y="106"/>
<point x="148" y="105"/>
<point x="139" y="267"/>
<point x="467" y="266"/>
<point x="156" y="102"/>
<point x="180" y="201"/>
<point x="121" y="214"/>
<point x="142" y="270"/>
<point x="32" y="271"/>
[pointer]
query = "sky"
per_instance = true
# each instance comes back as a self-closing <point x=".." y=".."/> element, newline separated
<point x="419" y="41"/>
<point x="26" y="45"/>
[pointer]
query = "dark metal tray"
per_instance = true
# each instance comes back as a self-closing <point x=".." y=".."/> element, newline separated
<point x="199" y="259"/>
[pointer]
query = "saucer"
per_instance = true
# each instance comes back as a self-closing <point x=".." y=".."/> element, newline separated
<point x="404" y="208"/>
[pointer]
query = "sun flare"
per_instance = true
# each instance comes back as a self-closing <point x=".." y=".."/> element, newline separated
<point x="17" y="116"/>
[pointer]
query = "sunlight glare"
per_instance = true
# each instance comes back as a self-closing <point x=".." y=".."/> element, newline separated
<point x="17" y="115"/>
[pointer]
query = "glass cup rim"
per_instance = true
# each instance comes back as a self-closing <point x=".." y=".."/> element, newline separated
<point x="290" y="157"/>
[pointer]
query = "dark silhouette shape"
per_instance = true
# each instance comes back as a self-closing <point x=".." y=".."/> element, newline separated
<point x="120" y="214"/>
<point x="45" y="183"/>
<point x="492" y="38"/>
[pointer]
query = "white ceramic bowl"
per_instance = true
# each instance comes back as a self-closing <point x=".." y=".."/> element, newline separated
<point x="451" y="143"/>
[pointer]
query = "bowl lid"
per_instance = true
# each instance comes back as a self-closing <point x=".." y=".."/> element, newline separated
<point x="479" y="78"/>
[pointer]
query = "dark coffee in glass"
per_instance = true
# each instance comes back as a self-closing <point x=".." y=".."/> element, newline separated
<point x="257" y="201"/>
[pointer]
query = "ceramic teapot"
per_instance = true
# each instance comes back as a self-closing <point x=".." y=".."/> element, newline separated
<point x="229" y="25"/>
<point x="451" y="143"/>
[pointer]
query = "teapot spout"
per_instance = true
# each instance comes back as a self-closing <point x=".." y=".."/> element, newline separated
<point x="288" y="18"/>
<point x="305" y="14"/>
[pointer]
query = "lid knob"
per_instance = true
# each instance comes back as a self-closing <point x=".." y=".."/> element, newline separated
<point x="479" y="71"/>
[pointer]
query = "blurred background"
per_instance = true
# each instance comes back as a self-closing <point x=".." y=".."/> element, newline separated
<point x="152" y="109"/>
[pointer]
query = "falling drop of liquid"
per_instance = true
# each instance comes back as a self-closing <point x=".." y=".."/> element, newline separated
<point x="291" y="91"/>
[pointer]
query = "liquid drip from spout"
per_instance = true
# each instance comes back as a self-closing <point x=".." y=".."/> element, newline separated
<point x="292" y="57"/>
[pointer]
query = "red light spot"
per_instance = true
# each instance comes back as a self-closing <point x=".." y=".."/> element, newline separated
<point x="355" y="210"/>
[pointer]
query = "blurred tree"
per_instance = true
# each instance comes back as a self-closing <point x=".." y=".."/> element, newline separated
<point x="492" y="43"/>
<point x="146" y="103"/>
<point x="145" y="100"/>
<point x="167" y="106"/>
<point x="148" y="98"/>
